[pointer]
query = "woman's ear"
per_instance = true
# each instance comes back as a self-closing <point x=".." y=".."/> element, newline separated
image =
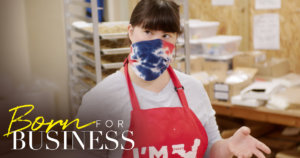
<point x="130" y="31"/>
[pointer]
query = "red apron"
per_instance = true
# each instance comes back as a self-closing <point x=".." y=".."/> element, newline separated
<point x="167" y="132"/>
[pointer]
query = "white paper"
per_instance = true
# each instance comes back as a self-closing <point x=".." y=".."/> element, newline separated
<point x="267" y="4"/>
<point x="266" y="31"/>
<point x="222" y="2"/>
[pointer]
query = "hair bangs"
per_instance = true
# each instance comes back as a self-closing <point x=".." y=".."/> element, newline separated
<point x="157" y="15"/>
<point x="161" y="20"/>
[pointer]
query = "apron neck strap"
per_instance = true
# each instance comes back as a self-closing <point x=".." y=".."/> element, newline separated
<point x="134" y="102"/>
<point x="178" y="87"/>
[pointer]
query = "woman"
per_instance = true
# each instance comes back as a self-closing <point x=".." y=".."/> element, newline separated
<point x="169" y="112"/>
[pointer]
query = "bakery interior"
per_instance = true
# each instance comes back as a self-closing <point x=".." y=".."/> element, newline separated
<point x="246" y="53"/>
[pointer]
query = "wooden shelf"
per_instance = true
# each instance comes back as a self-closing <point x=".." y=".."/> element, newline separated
<point x="263" y="114"/>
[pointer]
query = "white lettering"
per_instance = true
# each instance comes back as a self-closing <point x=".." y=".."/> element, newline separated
<point x="111" y="139"/>
<point x="92" y="139"/>
<point x="52" y="140"/>
<point x="98" y="123"/>
<point x="127" y="139"/>
<point x="81" y="143"/>
<point x="31" y="143"/>
<point x="109" y="123"/>
<point x="136" y="153"/>
<point x="20" y="139"/>
<point x="179" y="149"/>
<point x="120" y="123"/>
<point x="162" y="152"/>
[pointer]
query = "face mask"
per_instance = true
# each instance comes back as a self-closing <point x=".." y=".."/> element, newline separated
<point x="149" y="59"/>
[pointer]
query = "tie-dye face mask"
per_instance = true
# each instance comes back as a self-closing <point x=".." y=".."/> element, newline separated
<point x="149" y="59"/>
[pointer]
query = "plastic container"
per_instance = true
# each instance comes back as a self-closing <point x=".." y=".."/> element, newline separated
<point x="195" y="47"/>
<point x="199" y="30"/>
<point x="202" y="29"/>
<point x="220" y="45"/>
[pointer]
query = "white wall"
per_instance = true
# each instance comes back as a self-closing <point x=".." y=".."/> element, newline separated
<point x="14" y="59"/>
<point x="46" y="45"/>
<point x="32" y="45"/>
<point x="116" y="10"/>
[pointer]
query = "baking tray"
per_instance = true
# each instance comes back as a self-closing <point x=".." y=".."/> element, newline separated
<point x="81" y="27"/>
<point x="80" y="42"/>
<point x="91" y="62"/>
<point x="86" y="72"/>
<point x="85" y="84"/>
<point x="116" y="65"/>
<point x="83" y="57"/>
<point x="113" y="35"/>
<point x="115" y="51"/>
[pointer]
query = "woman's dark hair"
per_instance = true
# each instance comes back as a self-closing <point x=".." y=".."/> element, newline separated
<point x="157" y="15"/>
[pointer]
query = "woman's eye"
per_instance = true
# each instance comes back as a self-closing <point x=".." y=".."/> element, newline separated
<point x="147" y="32"/>
<point x="166" y="36"/>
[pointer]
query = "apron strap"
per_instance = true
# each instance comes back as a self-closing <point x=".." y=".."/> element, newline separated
<point x="133" y="98"/>
<point x="178" y="87"/>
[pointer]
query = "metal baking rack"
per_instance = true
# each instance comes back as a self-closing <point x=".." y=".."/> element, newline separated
<point x="84" y="83"/>
<point x="78" y="27"/>
<point x="86" y="72"/>
<point x="186" y="44"/>
<point x="114" y="65"/>
<point x="90" y="47"/>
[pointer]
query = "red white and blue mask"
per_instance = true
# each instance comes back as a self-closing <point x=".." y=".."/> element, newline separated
<point x="149" y="59"/>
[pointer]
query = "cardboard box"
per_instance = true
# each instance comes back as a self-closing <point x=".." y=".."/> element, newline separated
<point x="217" y="68"/>
<point x="206" y="80"/>
<point x="249" y="59"/>
<point x="225" y="89"/>
<point x="275" y="67"/>
<point x="196" y="63"/>
<point x="208" y="88"/>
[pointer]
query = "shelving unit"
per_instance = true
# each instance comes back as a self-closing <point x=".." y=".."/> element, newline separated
<point x="87" y="53"/>
<point x="81" y="79"/>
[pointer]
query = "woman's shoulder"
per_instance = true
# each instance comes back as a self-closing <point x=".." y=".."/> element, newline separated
<point x="101" y="100"/>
